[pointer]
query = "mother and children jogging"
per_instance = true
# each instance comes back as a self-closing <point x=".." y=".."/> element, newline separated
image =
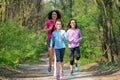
<point x="57" y="38"/>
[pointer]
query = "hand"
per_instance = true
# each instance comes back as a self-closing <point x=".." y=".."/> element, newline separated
<point x="60" y="37"/>
<point x="77" y="40"/>
<point x="44" y="30"/>
<point x="69" y="37"/>
<point x="51" y="47"/>
<point x="50" y="28"/>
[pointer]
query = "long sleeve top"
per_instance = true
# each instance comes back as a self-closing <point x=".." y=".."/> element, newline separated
<point x="73" y="37"/>
<point x="57" y="41"/>
<point x="50" y="24"/>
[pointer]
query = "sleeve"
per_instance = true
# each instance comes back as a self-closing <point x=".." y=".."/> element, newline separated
<point x="67" y="32"/>
<point x="47" y="23"/>
<point x="80" y="38"/>
<point x="68" y="35"/>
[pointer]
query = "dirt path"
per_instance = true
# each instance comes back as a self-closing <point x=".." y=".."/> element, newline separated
<point x="39" y="72"/>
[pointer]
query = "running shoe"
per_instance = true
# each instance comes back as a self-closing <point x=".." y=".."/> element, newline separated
<point x="58" y="77"/>
<point x="61" y="75"/>
<point x="76" y="68"/>
<point x="49" y="69"/>
<point x="71" y="73"/>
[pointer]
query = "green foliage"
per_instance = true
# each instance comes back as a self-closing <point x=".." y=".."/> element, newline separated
<point x="84" y="61"/>
<point x="67" y="54"/>
<point x="118" y="62"/>
<point x="90" y="47"/>
<point x="18" y="43"/>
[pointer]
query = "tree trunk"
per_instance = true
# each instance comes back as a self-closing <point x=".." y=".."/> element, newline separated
<point x="26" y="12"/>
<point x="85" y="7"/>
<point x="110" y="51"/>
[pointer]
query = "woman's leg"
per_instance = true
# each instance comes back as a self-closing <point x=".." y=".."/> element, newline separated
<point x="51" y="57"/>
<point x="51" y="54"/>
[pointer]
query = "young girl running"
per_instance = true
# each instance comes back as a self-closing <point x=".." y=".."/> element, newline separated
<point x="74" y="38"/>
<point x="59" y="37"/>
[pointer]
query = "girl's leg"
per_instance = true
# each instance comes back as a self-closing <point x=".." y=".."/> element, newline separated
<point x="71" y="61"/>
<point x="57" y="53"/>
<point x="71" y="70"/>
<point x="58" y="70"/>
<point x="54" y="64"/>
<point x="61" y="67"/>
<point x="58" y="67"/>
<point x="77" y="58"/>
<point x="62" y="51"/>
<point x="61" y="70"/>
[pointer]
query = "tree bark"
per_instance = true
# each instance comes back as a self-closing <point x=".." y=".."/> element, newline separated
<point x="108" y="39"/>
<point x="26" y="12"/>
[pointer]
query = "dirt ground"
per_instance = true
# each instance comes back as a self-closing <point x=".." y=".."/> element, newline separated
<point x="104" y="74"/>
<point x="35" y="71"/>
<point x="92" y="69"/>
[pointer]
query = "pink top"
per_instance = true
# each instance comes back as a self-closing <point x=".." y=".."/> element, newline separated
<point x="73" y="36"/>
<point x="50" y="23"/>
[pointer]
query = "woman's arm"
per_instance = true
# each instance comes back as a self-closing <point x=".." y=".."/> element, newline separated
<point x="45" y="29"/>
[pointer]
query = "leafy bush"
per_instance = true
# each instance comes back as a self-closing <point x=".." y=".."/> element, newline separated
<point x="90" y="44"/>
<point x="17" y="43"/>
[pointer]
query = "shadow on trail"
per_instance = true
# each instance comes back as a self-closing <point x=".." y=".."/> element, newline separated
<point x="97" y="71"/>
<point x="32" y="72"/>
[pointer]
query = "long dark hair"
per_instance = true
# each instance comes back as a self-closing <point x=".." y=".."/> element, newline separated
<point x="69" y="26"/>
<point x="50" y="14"/>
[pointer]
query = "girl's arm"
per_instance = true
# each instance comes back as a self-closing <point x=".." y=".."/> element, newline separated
<point x="68" y="36"/>
<point x="64" y="37"/>
<point x="80" y="36"/>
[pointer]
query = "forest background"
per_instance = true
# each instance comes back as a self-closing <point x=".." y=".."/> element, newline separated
<point x="22" y="40"/>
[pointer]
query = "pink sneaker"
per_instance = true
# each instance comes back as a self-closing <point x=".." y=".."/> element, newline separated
<point x="58" y="76"/>
<point x="61" y="75"/>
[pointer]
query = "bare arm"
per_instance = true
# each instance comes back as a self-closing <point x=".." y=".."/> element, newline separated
<point x="45" y="29"/>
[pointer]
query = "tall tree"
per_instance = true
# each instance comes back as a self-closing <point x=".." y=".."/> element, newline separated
<point x="107" y="36"/>
<point x="26" y="12"/>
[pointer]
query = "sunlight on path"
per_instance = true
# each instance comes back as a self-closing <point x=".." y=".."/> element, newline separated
<point x="39" y="72"/>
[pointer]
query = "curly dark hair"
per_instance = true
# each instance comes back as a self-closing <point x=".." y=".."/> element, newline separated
<point x="50" y="14"/>
<point x="69" y="26"/>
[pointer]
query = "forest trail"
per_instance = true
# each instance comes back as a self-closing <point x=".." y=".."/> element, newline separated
<point x="39" y="72"/>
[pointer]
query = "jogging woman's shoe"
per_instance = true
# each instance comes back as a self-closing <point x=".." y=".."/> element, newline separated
<point x="49" y="69"/>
